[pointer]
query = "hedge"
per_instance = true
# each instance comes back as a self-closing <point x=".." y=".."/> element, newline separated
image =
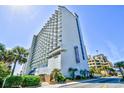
<point x="22" y="81"/>
<point x="29" y="80"/>
<point x="13" y="81"/>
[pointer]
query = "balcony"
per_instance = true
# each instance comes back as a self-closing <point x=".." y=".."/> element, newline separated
<point x="55" y="52"/>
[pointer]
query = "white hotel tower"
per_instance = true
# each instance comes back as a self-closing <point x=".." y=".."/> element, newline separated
<point x="59" y="44"/>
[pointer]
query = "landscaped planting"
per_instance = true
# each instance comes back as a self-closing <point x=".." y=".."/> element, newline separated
<point x="1" y="82"/>
<point x="13" y="81"/>
<point x="22" y="81"/>
<point x="29" y="80"/>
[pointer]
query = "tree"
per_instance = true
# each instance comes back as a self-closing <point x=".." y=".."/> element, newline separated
<point x="4" y="71"/>
<point x="17" y="54"/>
<point x="72" y="72"/>
<point x="86" y="72"/>
<point x="112" y="71"/>
<point x="98" y="70"/>
<point x="2" y="47"/>
<point x="54" y="73"/>
<point x="2" y="50"/>
<point x="20" y="56"/>
<point x="57" y="76"/>
<point x="120" y="65"/>
<point x="83" y="73"/>
<point x="92" y="70"/>
<point x="105" y="69"/>
<point x="6" y="55"/>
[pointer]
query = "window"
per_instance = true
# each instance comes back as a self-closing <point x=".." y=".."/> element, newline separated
<point x="76" y="54"/>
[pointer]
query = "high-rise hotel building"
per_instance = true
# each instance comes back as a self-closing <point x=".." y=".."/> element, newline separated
<point x="59" y="45"/>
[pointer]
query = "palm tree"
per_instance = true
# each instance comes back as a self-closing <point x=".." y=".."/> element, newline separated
<point x="72" y="72"/>
<point x="2" y="46"/>
<point x="105" y="69"/>
<point x="111" y="71"/>
<point x="6" y="55"/>
<point x="83" y="73"/>
<point x="92" y="70"/>
<point x="54" y="74"/>
<point x="98" y="70"/>
<point x="2" y="50"/>
<point x="86" y="72"/>
<point x="120" y="65"/>
<point x="20" y="56"/>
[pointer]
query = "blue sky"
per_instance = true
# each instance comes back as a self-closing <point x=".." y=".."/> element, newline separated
<point x="102" y="27"/>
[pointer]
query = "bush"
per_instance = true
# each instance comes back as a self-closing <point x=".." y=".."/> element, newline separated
<point x="1" y="83"/>
<point x="91" y="76"/>
<point x="78" y="77"/>
<point x="29" y="80"/>
<point x="57" y="76"/>
<point x="68" y="78"/>
<point x="22" y="81"/>
<point x="84" y="77"/>
<point x="13" y="81"/>
<point x="61" y="79"/>
<point x="4" y="71"/>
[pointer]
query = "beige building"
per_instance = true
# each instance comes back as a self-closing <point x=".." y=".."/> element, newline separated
<point x="98" y="61"/>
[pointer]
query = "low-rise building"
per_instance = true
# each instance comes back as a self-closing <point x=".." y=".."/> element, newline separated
<point x="98" y="61"/>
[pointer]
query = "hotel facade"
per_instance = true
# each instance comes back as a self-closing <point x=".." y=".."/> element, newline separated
<point x="59" y="45"/>
<point x="99" y="61"/>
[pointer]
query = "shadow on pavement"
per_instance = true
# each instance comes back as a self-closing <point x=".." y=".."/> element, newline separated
<point x="103" y="80"/>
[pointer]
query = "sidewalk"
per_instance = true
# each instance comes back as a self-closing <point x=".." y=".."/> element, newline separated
<point x="65" y="84"/>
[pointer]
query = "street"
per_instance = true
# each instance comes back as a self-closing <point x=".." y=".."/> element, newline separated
<point x="109" y="82"/>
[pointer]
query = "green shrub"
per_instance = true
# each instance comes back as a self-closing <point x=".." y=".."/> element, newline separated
<point x="57" y="76"/>
<point x="78" y="77"/>
<point x="72" y="72"/>
<point x="24" y="81"/>
<point x="91" y="76"/>
<point x="68" y="78"/>
<point x="4" y="71"/>
<point x="30" y="80"/>
<point x="84" y="78"/>
<point x="61" y="79"/>
<point x="13" y="81"/>
<point x="1" y="82"/>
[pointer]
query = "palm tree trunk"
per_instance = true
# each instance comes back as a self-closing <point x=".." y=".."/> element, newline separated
<point x="73" y="75"/>
<point x="13" y="68"/>
<point x="93" y="74"/>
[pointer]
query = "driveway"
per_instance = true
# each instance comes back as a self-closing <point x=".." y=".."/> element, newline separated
<point x="109" y="82"/>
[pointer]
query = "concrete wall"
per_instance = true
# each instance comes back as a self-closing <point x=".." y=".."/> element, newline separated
<point x="53" y="62"/>
<point x="70" y="38"/>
